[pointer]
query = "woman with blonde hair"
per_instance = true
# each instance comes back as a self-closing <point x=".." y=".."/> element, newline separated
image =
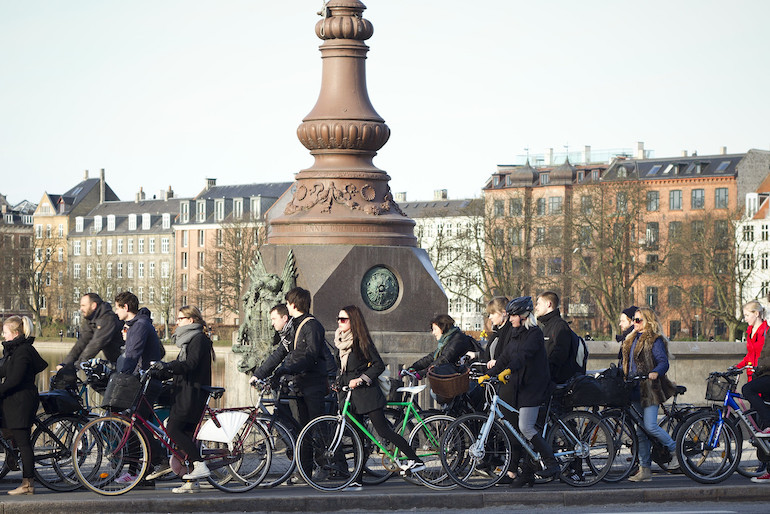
<point x="645" y="353"/>
<point x="20" y="400"/>
<point x="754" y="315"/>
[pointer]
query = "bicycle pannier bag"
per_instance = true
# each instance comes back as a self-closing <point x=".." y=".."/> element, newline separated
<point x="60" y="402"/>
<point x="121" y="392"/>
<point x="583" y="391"/>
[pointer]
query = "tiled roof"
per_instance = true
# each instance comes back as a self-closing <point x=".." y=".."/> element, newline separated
<point x="693" y="166"/>
<point x="430" y="208"/>
<point x="267" y="190"/>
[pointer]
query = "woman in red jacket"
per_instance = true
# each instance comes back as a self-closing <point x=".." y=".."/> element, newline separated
<point x="754" y="315"/>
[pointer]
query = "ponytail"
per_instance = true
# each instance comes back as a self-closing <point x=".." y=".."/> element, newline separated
<point x="20" y="325"/>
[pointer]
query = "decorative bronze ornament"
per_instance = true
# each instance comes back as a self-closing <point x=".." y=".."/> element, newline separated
<point x="379" y="288"/>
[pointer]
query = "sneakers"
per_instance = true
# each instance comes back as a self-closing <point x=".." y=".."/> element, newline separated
<point x="126" y="478"/>
<point x="764" y="433"/>
<point x="764" y="479"/>
<point x="200" y="470"/>
<point x="643" y="475"/>
<point x="673" y="464"/>
<point x="413" y="466"/>
<point x="355" y="485"/>
<point x="187" y="487"/>
<point x="159" y="471"/>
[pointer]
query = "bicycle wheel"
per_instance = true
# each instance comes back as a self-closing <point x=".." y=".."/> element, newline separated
<point x="470" y="462"/>
<point x="241" y="464"/>
<point x="4" y="468"/>
<point x="425" y="438"/>
<point x="377" y="466"/>
<point x="750" y="465"/>
<point x="583" y="445"/>
<point x="625" y="443"/>
<point x="110" y="455"/>
<point x="322" y="468"/>
<point x="282" y="444"/>
<point x="703" y="457"/>
<point x="51" y="444"/>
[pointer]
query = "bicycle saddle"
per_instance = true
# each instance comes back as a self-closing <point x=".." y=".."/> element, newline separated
<point x="681" y="389"/>
<point x="214" y="392"/>
<point x="411" y="389"/>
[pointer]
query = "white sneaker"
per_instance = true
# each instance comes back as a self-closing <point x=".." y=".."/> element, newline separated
<point x="200" y="470"/>
<point x="159" y="471"/>
<point x="188" y="487"/>
<point x="126" y="478"/>
<point x="673" y="463"/>
<point x="413" y="466"/>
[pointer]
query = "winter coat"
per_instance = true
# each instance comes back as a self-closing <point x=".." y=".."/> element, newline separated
<point x="98" y="332"/>
<point x="192" y="370"/>
<point x="142" y="344"/>
<point x="284" y="344"/>
<point x="524" y="354"/>
<point x="307" y="360"/>
<point x="754" y="345"/>
<point x="558" y="344"/>
<point x="497" y="338"/>
<point x="762" y="367"/>
<point x="20" y="400"/>
<point x="457" y="345"/>
<point x="369" y="397"/>
<point x="650" y="354"/>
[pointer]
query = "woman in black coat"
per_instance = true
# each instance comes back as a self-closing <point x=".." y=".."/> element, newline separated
<point x="360" y="366"/>
<point x="20" y="400"/>
<point x="191" y="369"/>
<point x="524" y="358"/>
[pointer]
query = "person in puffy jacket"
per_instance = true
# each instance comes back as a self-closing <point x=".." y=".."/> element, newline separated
<point x="100" y="331"/>
<point x="18" y="393"/>
<point x="754" y="315"/>
<point x="452" y="344"/>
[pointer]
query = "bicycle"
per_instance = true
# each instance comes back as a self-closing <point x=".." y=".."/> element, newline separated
<point x="710" y="445"/>
<point x="624" y="419"/>
<point x="476" y="449"/>
<point x="234" y="446"/>
<point x="332" y="449"/>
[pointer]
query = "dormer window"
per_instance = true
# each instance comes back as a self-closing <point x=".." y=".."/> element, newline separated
<point x="146" y="219"/>
<point x="238" y="208"/>
<point x="79" y="224"/>
<point x="256" y="207"/>
<point x="110" y="222"/>
<point x="97" y="223"/>
<point x="219" y="209"/>
<point x="132" y="222"/>
<point x="545" y="179"/>
<point x="166" y="220"/>
<point x="184" y="211"/>
<point x="622" y="172"/>
<point x="200" y="211"/>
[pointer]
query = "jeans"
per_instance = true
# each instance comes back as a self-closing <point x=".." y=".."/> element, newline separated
<point x="651" y="424"/>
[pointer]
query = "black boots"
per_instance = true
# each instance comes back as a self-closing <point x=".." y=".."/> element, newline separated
<point x="546" y="453"/>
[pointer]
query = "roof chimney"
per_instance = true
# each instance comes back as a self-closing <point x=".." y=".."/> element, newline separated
<point x="140" y="195"/>
<point x="549" y="157"/>
<point x="724" y="150"/>
<point x="85" y="175"/>
<point x="586" y="154"/>
<point x="684" y="153"/>
<point x="101" y="186"/>
<point x="440" y="194"/>
<point x="210" y="182"/>
<point x="640" y="150"/>
<point x="169" y="193"/>
<point x="400" y="196"/>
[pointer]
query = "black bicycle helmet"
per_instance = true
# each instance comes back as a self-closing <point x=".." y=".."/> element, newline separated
<point x="519" y="305"/>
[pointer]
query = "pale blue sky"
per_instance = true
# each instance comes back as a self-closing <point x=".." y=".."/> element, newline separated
<point x="168" y="92"/>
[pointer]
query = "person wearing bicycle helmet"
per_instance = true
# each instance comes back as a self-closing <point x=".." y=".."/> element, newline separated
<point x="360" y="364"/>
<point x="645" y="353"/>
<point x="525" y="360"/>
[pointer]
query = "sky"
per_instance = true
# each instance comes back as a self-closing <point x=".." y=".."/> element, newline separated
<point x="166" y="93"/>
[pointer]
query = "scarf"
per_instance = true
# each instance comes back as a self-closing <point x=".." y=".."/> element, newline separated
<point x="182" y="337"/>
<point x="285" y="334"/>
<point x="443" y="339"/>
<point x="343" y="340"/>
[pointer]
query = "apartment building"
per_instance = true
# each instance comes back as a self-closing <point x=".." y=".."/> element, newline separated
<point x="16" y="232"/>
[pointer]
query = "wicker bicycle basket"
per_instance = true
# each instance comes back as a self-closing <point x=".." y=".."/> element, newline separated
<point x="716" y="388"/>
<point x="449" y="386"/>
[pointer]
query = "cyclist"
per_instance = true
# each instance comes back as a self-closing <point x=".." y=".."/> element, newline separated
<point x="645" y="353"/>
<point x="100" y="331"/>
<point x="360" y="364"/>
<point x="524" y="357"/>
<point x="191" y="370"/>
<point x="754" y="315"/>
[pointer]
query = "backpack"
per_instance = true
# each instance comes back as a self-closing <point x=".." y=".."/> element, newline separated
<point x="578" y="354"/>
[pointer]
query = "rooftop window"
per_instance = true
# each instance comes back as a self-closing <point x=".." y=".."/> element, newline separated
<point x="723" y="166"/>
<point x="655" y="169"/>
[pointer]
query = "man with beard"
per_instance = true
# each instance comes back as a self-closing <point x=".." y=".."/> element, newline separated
<point x="99" y="332"/>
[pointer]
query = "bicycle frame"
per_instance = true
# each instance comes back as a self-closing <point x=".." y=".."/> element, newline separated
<point x="733" y="406"/>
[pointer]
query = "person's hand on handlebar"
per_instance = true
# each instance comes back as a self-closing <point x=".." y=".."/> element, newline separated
<point x="653" y="375"/>
<point x="356" y="382"/>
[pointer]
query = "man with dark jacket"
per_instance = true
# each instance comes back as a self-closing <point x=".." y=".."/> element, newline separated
<point x="142" y="342"/>
<point x="99" y="331"/>
<point x="306" y="360"/>
<point x="558" y="336"/>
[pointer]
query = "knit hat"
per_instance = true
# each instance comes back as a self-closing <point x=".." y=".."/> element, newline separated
<point x="629" y="311"/>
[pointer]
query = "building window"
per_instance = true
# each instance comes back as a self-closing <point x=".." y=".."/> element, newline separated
<point x="89" y="247"/>
<point x="98" y="247"/>
<point x="219" y="209"/>
<point x="554" y="266"/>
<point x="185" y="238"/>
<point x="764" y="289"/>
<point x="720" y="198"/>
<point x="555" y="205"/>
<point x="747" y="262"/>
<point x="61" y="231"/>
<point x="89" y="269"/>
<point x="763" y="261"/>
<point x="652" y="234"/>
<point x="132" y="222"/>
<point x="109" y="270"/>
<point x="764" y="232"/>
<point x="120" y="247"/>
<point x="540" y="267"/>
<point x="200" y="260"/>
<point x="540" y="235"/>
<point x="109" y="247"/>
<point x="200" y="206"/>
<point x="146" y="221"/>
<point x="201" y="237"/>
<point x="110" y="222"/>
<point x="184" y="210"/>
<point x="621" y="202"/>
<point x="238" y="208"/>
<point x="164" y="270"/>
<point x="653" y="200"/>
<point x="152" y="245"/>
<point x="166" y="220"/>
<point x="76" y="248"/>
<point x="140" y="294"/>
<point x="545" y="179"/>
<point x="60" y="255"/>
<point x="79" y="224"/>
<point x="39" y="231"/>
<point x="674" y="229"/>
<point x="586" y="205"/>
<point x="698" y="200"/>
<point x="652" y="262"/>
<point x="140" y="270"/>
<point x="540" y="206"/>
<point x="748" y="233"/>
<point x="152" y="270"/>
<point x="674" y="297"/>
<point x="164" y="246"/>
<point x="76" y="270"/>
<point x="184" y="260"/>
<point x="130" y="246"/>
<point x="220" y="240"/>
<point x="141" y="245"/>
<point x="675" y="200"/>
<point x="130" y="270"/>
<point x="219" y="259"/>
<point x="515" y="207"/>
<point x="201" y="284"/>
<point x="651" y="297"/>
<point x="499" y="207"/>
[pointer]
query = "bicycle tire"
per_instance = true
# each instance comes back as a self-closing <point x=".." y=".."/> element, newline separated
<point x="240" y="465"/>
<point x="583" y="445"/>
<point x="626" y="445"/>
<point x="51" y="444"/>
<point x="750" y="465"/>
<point x="4" y="468"/>
<point x="320" y="469"/>
<point x="105" y="449"/>
<point x="282" y="447"/>
<point x="697" y="459"/>
<point x="474" y="464"/>
<point x="425" y="439"/>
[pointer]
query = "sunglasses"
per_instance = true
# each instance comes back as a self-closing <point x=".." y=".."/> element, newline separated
<point x="638" y="320"/>
<point x="342" y="320"/>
